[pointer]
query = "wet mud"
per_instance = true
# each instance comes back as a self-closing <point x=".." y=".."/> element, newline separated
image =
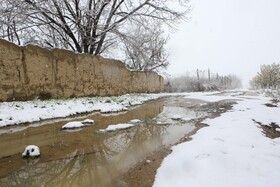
<point x="85" y="158"/>
<point x="271" y="105"/>
<point x="271" y="130"/>
<point x="143" y="174"/>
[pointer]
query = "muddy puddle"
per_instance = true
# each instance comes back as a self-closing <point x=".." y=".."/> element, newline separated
<point x="86" y="158"/>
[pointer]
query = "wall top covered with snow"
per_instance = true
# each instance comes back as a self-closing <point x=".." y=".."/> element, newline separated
<point x="29" y="72"/>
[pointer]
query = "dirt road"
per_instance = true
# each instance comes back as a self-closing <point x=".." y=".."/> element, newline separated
<point x="85" y="158"/>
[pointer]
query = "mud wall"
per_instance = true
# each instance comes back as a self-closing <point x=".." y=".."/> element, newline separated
<point x="30" y="72"/>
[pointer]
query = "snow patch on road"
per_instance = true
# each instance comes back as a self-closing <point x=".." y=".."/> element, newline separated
<point x="231" y="152"/>
<point x="208" y="96"/>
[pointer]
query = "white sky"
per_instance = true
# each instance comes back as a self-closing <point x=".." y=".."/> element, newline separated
<point x="227" y="36"/>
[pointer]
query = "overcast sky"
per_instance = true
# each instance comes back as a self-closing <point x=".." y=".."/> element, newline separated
<point x="227" y="36"/>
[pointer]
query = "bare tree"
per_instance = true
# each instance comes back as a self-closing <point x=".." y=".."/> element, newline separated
<point x="144" y="47"/>
<point x="9" y="21"/>
<point x="196" y="81"/>
<point x="86" y="26"/>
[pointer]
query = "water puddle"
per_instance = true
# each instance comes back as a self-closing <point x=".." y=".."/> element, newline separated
<point x="85" y="158"/>
<point x="178" y="115"/>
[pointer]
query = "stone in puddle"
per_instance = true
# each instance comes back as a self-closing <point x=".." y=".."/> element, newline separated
<point x="88" y="121"/>
<point x="78" y="124"/>
<point x="31" y="151"/>
<point x="73" y="125"/>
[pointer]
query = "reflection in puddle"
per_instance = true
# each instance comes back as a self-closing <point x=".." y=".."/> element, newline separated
<point x="165" y="117"/>
<point x="84" y="158"/>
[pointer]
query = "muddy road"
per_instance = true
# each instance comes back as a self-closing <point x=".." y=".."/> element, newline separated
<point x="85" y="158"/>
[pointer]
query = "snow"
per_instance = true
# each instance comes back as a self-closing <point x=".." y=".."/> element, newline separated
<point x="109" y="107"/>
<point x="31" y="151"/>
<point x="231" y="152"/>
<point x="187" y="119"/>
<point x="17" y="112"/>
<point x="121" y="126"/>
<point x="116" y="127"/>
<point x="209" y="96"/>
<point x="88" y="121"/>
<point x="135" y="121"/>
<point x="176" y="117"/>
<point x="78" y="124"/>
<point x="73" y="125"/>
<point x="161" y="123"/>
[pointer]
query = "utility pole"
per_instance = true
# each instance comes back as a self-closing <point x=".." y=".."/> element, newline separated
<point x="198" y="84"/>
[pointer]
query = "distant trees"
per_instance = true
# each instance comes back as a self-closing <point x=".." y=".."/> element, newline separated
<point x="144" y="47"/>
<point x="268" y="77"/>
<point x="203" y="80"/>
<point x="93" y="26"/>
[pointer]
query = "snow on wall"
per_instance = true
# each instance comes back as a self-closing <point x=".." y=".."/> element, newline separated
<point x="28" y="72"/>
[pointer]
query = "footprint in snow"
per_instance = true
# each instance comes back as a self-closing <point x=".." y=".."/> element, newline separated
<point x="219" y="139"/>
<point x="202" y="156"/>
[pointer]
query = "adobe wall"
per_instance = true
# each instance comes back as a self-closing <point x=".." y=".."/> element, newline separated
<point x="29" y="72"/>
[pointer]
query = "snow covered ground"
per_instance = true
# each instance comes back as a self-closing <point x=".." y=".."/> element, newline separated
<point x="12" y="113"/>
<point x="17" y="112"/>
<point x="231" y="152"/>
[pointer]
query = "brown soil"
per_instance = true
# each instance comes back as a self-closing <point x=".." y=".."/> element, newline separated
<point x="269" y="130"/>
<point x="143" y="174"/>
